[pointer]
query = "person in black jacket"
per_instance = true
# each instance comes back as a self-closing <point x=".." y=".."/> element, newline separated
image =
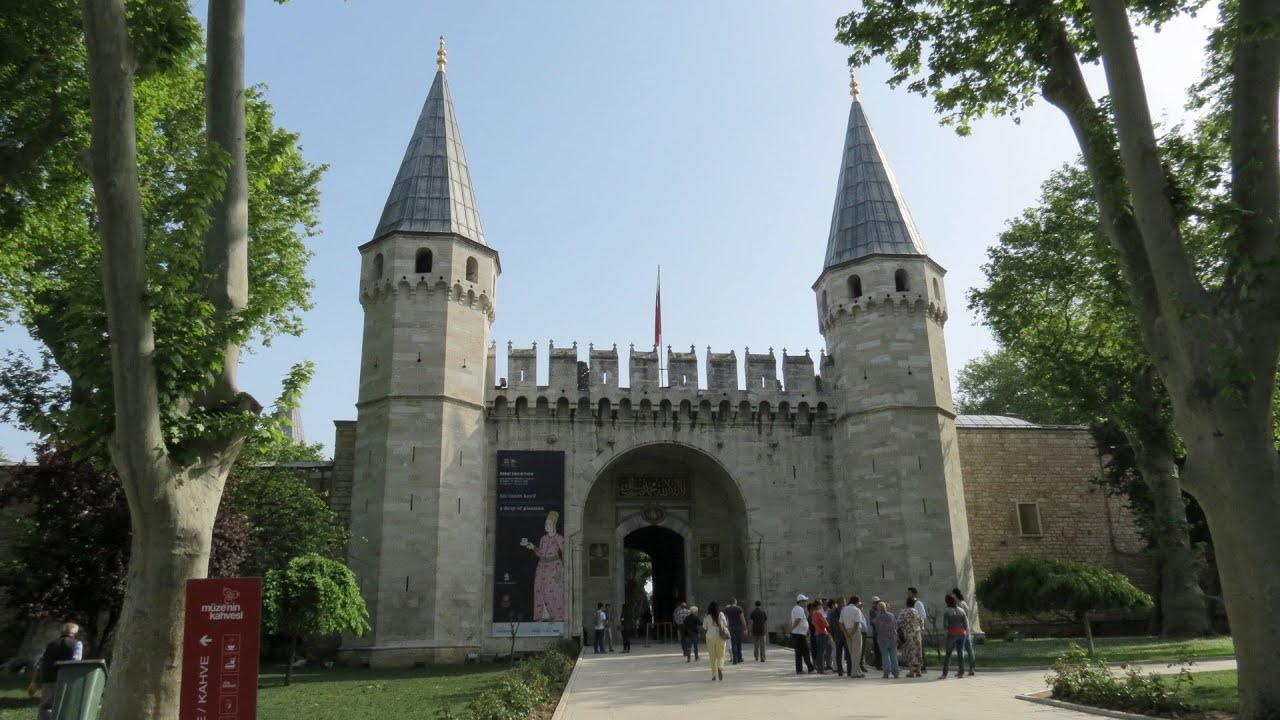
<point x="45" y="673"/>
<point x="692" y="629"/>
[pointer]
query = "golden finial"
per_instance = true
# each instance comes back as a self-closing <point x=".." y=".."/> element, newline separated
<point x="853" y="85"/>
<point x="441" y="60"/>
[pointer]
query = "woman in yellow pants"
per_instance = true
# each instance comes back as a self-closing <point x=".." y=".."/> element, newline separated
<point x="717" y="632"/>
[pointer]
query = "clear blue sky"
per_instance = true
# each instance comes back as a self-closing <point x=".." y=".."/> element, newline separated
<point x="606" y="138"/>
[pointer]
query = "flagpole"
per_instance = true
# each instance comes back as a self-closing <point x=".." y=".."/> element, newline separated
<point x="657" y="327"/>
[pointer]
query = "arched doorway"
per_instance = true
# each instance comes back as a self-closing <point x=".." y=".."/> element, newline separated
<point x="675" y="508"/>
<point x="653" y="570"/>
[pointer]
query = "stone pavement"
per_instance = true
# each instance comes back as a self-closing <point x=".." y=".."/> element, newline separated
<point x="656" y="683"/>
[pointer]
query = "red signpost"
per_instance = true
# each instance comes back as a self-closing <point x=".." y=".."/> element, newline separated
<point x="220" y="649"/>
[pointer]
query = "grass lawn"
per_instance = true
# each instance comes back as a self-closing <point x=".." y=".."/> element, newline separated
<point x="1215" y="691"/>
<point x="338" y="694"/>
<point x="1040" y="652"/>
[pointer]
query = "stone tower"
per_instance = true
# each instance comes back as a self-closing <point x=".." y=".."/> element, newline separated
<point x="881" y="309"/>
<point x="427" y="285"/>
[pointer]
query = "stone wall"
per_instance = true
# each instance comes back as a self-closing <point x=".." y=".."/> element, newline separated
<point x="1053" y="467"/>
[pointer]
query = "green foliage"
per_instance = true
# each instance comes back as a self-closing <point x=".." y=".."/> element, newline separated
<point x="1078" y="677"/>
<point x="312" y="596"/>
<point x="1035" y="585"/>
<point x="286" y="518"/>
<point x="50" y="279"/>
<point x="976" y="58"/>
<point x="1002" y="383"/>
<point x="517" y="693"/>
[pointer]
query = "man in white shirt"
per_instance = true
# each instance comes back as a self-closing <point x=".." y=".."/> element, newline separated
<point x="851" y="626"/>
<point x="800" y="634"/>
<point x="601" y="619"/>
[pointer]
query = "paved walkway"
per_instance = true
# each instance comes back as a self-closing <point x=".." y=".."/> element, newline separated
<point x="656" y="683"/>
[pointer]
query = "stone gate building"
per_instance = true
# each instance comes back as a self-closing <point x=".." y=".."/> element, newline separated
<point x="730" y="490"/>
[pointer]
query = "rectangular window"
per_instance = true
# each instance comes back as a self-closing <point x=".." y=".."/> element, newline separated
<point x="709" y="558"/>
<point x="598" y="560"/>
<point x="1029" y="519"/>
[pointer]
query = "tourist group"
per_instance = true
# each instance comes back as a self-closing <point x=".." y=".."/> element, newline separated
<point x="825" y="635"/>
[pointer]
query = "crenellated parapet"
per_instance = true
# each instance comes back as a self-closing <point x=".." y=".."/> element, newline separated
<point x="890" y="304"/>
<point x="423" y="289"/>
<point x="577" y="390"/>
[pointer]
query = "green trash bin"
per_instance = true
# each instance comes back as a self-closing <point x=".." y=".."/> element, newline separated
<point x="79" y="692"/>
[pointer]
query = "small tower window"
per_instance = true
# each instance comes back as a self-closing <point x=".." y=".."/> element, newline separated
<point x="473" y="270"/>
<point x="377" y="266"/>
<point x="824" y="301"/>
<point x="900" y="280"/>
<point x="936" y="292"/>
<point x="422" y="261"/>
<point x="855" y="286"/>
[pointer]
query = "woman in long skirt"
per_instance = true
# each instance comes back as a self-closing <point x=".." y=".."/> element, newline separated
<point x="912" y="629"/>
<point x="717" y="628"/>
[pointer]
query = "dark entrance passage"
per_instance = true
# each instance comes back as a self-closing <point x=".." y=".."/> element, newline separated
<point x="654" y="553"/>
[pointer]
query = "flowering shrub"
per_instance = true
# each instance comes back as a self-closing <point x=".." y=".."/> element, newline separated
<point x="1077" y="677"/>
<point x="520" y="691"/>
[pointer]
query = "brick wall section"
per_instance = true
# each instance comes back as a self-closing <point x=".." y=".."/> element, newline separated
<point x="344" y="453"/>
<point x="1054" y="467"/>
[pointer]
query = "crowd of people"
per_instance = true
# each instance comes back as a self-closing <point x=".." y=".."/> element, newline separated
<point x="826" y="635"/>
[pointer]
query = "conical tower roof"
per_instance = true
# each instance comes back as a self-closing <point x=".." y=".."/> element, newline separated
<point x="870" y="216"/>
<point x="432" y="192"/>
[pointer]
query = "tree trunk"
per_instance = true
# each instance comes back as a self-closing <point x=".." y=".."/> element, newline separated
<point x="293" y="652"/>
<point x="170" y="545"/>
<point x="1234" y="471"/>
<point x="1182" y="603"/>
<point x="226" y="246"/>
<point x="1087" y="621"/>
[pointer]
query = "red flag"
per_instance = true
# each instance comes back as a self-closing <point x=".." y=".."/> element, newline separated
<point x="657" y="312"/>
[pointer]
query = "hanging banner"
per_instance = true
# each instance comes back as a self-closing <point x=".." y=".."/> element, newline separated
<point x="528" y="570"/>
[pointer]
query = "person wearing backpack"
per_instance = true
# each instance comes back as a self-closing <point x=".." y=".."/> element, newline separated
<point x="717" y="627"/>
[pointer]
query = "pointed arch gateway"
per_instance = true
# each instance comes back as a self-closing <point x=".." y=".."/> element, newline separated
<point x="668" y="513"/>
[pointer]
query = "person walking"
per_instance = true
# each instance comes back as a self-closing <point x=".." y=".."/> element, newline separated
<point x="737" y="623"/>
<point x="646" y="623"/>
<point x="955" y="623"/>
<point x="968" y="625"/>
<point x="677" y="621"/>
<point x="821" y="635"/>
<point x="911" y="630"/>
<point x="759" y="631"/>
<point x="717" y="627"/>
<point x="627" y="627"/>
<point x="886" y="634"/>
<point x="44" y="676"/>
<point x="851" y="622"/>
<point x="692" y="627"/>
<point x="601" y="619"/>
<point x="799" y="630"/>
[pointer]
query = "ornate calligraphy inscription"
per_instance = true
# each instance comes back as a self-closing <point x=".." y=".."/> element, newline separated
<point x="653" y="486"/>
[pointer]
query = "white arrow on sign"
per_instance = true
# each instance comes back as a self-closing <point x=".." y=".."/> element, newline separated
<point x="205" y="640"/>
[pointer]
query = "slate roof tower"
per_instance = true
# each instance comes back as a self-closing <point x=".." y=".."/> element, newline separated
<point x="881" y="308"/>
<point x="428" y="284"/>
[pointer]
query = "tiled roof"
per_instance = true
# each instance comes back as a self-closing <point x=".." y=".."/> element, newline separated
<point x="432" y="191"/>
<point x="870" y="216"/>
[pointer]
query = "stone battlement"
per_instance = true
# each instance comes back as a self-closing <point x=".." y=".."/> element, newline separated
<point x="595" y="385"/>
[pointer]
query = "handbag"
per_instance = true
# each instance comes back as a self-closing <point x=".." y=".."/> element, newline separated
<point x="724" y="631"/>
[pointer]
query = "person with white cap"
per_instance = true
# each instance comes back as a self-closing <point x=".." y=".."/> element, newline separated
<point x="875" y="642"/>
<point x="800" y="634"/>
